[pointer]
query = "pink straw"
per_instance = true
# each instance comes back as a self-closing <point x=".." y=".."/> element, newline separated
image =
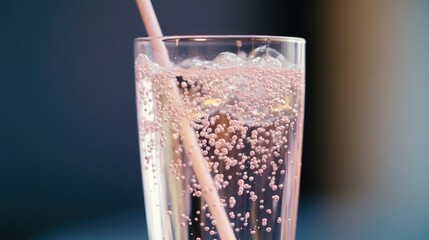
<point x="199" y="164"/>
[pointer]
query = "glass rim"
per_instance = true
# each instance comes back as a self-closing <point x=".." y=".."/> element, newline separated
<point x="203" y="38"/>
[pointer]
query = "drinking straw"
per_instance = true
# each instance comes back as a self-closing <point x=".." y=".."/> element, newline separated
<point x="199" y="164"/>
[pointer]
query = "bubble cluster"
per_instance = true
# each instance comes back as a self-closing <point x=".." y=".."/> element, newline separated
<point x="245" y="116"/>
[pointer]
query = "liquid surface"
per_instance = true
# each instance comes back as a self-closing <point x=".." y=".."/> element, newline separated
<point x="246" y="117"/>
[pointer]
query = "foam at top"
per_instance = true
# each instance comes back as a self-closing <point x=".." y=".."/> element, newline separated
<point x="250" y="88"/>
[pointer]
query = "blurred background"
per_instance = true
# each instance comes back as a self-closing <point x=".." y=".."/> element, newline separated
<point x="69" y="161"/>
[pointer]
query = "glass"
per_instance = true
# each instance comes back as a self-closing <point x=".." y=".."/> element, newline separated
<point x="220" y="129"/>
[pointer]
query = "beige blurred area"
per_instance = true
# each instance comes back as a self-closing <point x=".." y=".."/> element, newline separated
<point x="374" y="68"/>
<point x="361" y="69"/>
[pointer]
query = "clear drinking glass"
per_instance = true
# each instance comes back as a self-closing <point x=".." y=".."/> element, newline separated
<point x="220" y="130"/>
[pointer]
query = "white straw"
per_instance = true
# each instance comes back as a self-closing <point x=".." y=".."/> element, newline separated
<point x="202" y="173"/>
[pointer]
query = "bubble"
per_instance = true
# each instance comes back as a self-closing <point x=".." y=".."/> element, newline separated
<point x="226" y="60"/>
<point x="231" y="129"/>
<point x="232" y="202"/>
<point x="270" y="57"/>
<point x="183" y="84"/>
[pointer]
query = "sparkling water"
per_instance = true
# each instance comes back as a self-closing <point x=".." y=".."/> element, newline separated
<point x="246" y="113"/>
